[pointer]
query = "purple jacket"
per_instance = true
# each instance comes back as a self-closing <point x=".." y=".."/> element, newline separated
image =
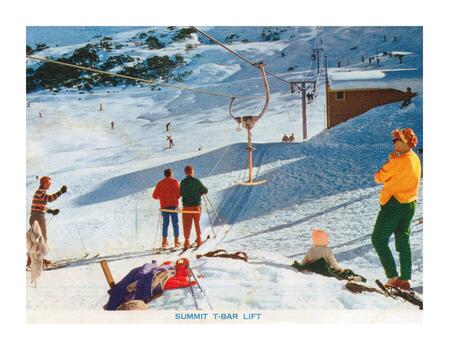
<point x="143" y="275"/>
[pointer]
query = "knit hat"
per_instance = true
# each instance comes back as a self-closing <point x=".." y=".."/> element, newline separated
<point x="45" y="180"/>
<point x="406" y="135"/>
<point x="319" y="237"/>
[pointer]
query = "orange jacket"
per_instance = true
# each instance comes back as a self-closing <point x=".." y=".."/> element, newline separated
<point x="401" y="176"/>
<point x="168" y="192"/>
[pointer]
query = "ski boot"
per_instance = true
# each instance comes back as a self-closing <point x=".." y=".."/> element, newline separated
<point x="164" y="243"/>
<point x="186" y="244"/>
<point x="198" y="241"/>
<point x="398" y="283"/>
<point x="177" y="243"/>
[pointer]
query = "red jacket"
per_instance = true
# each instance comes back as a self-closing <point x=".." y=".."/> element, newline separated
<point x="168" y="192"/>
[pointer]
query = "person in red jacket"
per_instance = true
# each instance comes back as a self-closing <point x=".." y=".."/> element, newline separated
<point x="168" y="192"/>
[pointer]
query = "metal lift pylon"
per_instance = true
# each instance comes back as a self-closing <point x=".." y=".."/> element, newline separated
<point x="248" y="123"/>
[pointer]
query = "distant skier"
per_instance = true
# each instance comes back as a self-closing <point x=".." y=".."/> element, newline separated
<point x="170" y="141"/>
<point x="408" y="100"/>
<point x="385" y="38"/>
<point x="292" y="137"/>
<point x="191" y="190"/>
<point x="40" y="115"/>
<point x="167" y="127"/>
<point x="319" y="259"/>
<point x="338" y="64"/>
<point x="112" y="125"/>
<point x="395" y="38"/>
<point x="39" y="206"/>
<point x="363" y="59"/>
<point x="400" y="177"/>
<point x="285" y="138"/>
<point x="168" y="192"/>
<point x="370" y="59"/>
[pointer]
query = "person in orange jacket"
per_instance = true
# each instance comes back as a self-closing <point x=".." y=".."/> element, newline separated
<point x="168" y="192"/>
<point x="400" y="177"/>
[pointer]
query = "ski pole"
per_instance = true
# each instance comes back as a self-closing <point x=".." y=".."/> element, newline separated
<point x="199" y="286"/>
<point x="191" y="288"/>
<point x="216" y="213"/>
<point x="196" y="279"/>
<point x="157" y="229"/>
<point x="210" y="219"/>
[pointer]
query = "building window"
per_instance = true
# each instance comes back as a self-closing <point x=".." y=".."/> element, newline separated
<point x="340" y="95"/>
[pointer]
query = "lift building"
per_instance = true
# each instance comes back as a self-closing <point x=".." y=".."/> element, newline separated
<point x="349" y="94"/>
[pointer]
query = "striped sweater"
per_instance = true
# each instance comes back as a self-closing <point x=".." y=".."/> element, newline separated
<point x="40" y="200"/>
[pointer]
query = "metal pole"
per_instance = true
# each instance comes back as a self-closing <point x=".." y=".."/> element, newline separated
<point x="304" y="116"/>
<point x="318" y="62"/>
<point x="250" y="157"/>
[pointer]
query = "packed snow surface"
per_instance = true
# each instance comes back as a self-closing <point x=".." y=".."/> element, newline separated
<point x="324" y="182"/>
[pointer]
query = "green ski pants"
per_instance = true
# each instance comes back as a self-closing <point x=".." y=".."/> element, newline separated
<point x="394" y="217"/>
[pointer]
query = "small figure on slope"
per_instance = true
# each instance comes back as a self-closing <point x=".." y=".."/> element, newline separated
<point x="319" y="259"/>
<point x="292" y="137"/>
<point x="170" y="141"/>
<point x="167" y="127"/>
<point x="168" y="192"/>
<point x="285" y="138"/>
<point x="400" y="177"/>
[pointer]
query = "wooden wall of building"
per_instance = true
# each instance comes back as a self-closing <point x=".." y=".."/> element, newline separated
<point x="352" y="103"/>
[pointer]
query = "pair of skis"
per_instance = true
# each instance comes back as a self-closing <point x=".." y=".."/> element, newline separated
<point x="59" y="264"/>
<point x="391" y="292"/>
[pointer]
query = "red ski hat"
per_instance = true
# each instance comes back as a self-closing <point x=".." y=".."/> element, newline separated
<point x="406" y="135"/>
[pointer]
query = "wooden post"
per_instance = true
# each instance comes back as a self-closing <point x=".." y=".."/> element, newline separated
<point x="304" y="110"/>
<point x="250" y="157"/>
<point x="107" y="273"/>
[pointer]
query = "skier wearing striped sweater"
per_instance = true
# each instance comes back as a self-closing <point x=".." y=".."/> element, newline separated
<point x="39" y="205"/>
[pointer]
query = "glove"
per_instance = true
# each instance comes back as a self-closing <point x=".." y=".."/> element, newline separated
<point x="53" y="211"/>
<point x="63" y="189"/>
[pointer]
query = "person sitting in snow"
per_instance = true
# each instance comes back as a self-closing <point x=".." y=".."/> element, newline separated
<point x="292" y="137"/>
<point x="319" y="259"/>
<point x="39" y="207"/>
<point x="400" y="177"/>
<point x="285" y="138"/>
<point x="168" y="192"/>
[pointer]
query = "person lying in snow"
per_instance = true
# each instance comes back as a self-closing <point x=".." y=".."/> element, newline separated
<point x="149" y="281"/>
<point x="319" y="259"/>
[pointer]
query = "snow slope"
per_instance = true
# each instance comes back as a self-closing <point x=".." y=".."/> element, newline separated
<point x="325" y="182"/>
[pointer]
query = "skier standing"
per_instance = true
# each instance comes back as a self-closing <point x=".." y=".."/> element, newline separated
<point x="39" y="206"/>
<point x="191" y="190"/>
<point x="168" y="192"/>
<point x="170" y="141"/>
<point x="400" y="176"/>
